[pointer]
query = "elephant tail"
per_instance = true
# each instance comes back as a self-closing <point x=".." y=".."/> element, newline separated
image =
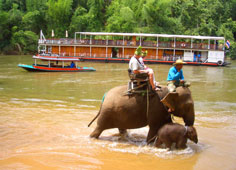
<point x="103" y="98"/>
<point x="95" y="116"/>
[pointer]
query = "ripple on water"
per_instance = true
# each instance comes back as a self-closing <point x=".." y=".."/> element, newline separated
<point x="68" y="81"/>
<point x="135" y="143"/>
<point x="216" y="105"/>
<point x="90" y="100"/>
<point x="215" y="114"/>
<point x="38" y="100"/>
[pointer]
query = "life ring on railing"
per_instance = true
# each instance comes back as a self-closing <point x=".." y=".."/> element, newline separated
<point x="220" y="63"/>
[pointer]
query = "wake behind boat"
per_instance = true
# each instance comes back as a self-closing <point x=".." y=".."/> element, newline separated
<point x="55" y="63"/>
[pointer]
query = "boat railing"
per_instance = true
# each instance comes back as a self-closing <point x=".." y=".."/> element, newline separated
<point x="127" y="43"/>
<point x="81" y="55"/>
<point x="165" y="57"/>
<point x="183" y="45"/>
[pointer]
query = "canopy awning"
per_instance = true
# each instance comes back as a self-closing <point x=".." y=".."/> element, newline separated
<point x="151" y="35"/>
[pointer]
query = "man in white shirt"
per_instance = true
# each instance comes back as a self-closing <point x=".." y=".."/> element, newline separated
<point x="144" y="54"/>
<point x="136" y="66"/>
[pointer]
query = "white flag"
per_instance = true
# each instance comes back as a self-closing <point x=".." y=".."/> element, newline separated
<point x="52" y="33"/>
<point x="66" y="34"/>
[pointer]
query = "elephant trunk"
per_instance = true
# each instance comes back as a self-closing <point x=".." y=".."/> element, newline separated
<point x="189" y="115"/>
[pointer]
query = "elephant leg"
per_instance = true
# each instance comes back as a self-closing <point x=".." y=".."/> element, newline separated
<point x="123" y="131"/>
<point x="151" y="133"/>
<point x="168" y="144"/>
<point x="158" y="143"/>
<point x="181" y="145"/>
<point x="97" y="132"/>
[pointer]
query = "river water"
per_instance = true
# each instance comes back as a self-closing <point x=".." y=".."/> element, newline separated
<point x="44" y="118"/>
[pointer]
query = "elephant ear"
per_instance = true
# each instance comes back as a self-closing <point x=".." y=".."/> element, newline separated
<point x="170" y="99"/>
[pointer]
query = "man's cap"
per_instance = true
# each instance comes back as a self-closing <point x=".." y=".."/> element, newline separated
<point x="138" y="51"/>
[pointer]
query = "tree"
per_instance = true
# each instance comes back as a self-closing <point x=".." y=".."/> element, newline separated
<point x="90" y="19"/>
<point x="80" y="20"/>
<point x="31" y="21"/>
<point x="7" y="4"/>
<point x="156" y="15"/>
<point x="32" y="5"/>
<point x="58" y="16"/>
<point x="25" y="41"/>
<point x="122" y="20"/>
<point x="15" y="15"/>
<point x="232" y="50"/>
<point x="4" y="29"/>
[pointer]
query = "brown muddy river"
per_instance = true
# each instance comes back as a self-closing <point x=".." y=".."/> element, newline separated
<point x="44" y="118"/>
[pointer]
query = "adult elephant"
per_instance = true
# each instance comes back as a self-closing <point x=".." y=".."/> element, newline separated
<point x="130" y="111"/>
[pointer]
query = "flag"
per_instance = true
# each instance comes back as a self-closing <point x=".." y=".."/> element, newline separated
<point x="52" y="33"/>
<point x="227" y="44"/>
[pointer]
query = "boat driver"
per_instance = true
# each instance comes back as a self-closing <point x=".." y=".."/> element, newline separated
<point x="137" y="67"/>
<point x="72" y="64"/>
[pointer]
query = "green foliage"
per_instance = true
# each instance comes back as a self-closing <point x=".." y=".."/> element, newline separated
<point x="5" y="32"/>
<point x="31" y="21"/>
<point x="121" y="19"/>
<point x="39" y="5"/>
<point x="7" y="4"/>
<point x="58" y="16"/>
<point x="25" y="41"/>
<point x="88" y="19"/>
<point x="80" y="20"/>
<point x="1" y="3"/>
<point x="231" y="52"/>
<point x="15" y="15"/>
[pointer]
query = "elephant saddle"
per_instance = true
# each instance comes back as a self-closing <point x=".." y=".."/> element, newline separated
<point x="138" y="82"/>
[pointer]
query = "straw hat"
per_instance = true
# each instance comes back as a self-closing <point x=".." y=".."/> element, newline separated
<point x="178" y="62"/>
<point x="138" y="51"/>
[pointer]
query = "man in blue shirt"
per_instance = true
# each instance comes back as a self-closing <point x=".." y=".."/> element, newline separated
<point x="175" y="79"/>
<point x="72" y="65"/>
<point x="175" y="76"/>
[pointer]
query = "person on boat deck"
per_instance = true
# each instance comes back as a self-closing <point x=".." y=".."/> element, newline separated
<point x="143" y="55"/>
<point x="72" y="64"/>
<point x="175" y="76"/>
<point x="137" y="68"/>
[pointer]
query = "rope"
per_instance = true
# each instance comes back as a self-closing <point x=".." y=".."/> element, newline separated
<point x="186" y="130"/>
<point x="147" y="103"/>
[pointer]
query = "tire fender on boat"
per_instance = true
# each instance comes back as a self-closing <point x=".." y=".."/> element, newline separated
<point x="220" y="63"/>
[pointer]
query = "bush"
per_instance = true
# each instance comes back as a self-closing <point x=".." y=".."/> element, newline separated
<point x="232" y="50"/>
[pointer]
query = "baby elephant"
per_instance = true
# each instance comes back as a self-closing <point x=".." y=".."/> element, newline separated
<point x="175" y="133"/>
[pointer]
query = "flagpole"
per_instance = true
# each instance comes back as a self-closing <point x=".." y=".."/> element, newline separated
<point x="224" y="44"/>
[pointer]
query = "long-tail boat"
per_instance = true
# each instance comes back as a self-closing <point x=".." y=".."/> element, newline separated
<point x="55" y="63"/>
